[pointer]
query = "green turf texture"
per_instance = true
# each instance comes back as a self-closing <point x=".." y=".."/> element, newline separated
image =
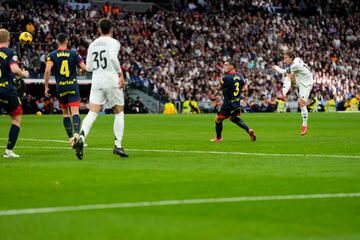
<point x="54" y="177"/>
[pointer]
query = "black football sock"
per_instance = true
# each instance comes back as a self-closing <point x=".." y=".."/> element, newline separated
<point x="76" y="123"/>
<point x="68" y="126"/>
<point x="219" y="128"/>
<point x="13" y="135"/>
<point x="238" y="121"/>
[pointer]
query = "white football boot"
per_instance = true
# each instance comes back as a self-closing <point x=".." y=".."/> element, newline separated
<point x="10" y="154"/>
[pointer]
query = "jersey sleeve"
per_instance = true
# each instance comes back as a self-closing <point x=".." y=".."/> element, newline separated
<point x="13" y="59"/>
<point x="50" y="58"/>
<point x="114" y="51"/>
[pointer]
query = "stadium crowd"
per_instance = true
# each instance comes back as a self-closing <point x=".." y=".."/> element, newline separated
<point x="178" y="54"/>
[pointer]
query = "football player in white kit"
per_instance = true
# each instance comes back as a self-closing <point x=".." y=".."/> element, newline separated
<point x="107" y="86"/>
<point x="299" y="74"/>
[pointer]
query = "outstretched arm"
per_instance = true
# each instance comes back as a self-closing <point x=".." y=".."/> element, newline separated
<point x="279" y="69"/>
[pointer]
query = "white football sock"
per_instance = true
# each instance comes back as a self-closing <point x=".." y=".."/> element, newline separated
<point x="304" y="115"/>
<point x="119" y="128"/>
<point x="88" y="122"/>
<point x="286" y="85"/>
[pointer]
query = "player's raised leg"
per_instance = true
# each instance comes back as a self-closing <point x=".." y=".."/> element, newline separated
<point x="238" y="121"/>
<point x="286" y="85"/>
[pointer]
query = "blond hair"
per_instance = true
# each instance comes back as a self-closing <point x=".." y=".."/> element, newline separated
<point x="4" y="35"/>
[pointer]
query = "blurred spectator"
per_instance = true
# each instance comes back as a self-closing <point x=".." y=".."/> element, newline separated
<point x="169" y="108"/>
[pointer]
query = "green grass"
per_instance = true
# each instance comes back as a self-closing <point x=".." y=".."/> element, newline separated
<point x="45" y="177"/>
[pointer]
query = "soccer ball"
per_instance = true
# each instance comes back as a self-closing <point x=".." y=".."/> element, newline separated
<point x="25" y="38"/>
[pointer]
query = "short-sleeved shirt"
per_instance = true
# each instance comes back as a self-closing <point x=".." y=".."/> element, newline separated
<point x="7" y="57"/>
<point x="8" y="94"/>
<point x="65" y="62"/>
<point x="232" y="84"/>
<point x="102" y="60"/>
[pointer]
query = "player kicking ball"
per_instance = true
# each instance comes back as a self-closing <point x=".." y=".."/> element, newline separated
<point x="231" y="85"/>
<point x="299" y="74"/>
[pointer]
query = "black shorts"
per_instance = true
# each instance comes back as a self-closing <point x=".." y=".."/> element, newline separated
<point x="10" y="101"/>
<point x="227" y="110"/>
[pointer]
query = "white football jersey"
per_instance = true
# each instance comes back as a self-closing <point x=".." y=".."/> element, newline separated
<point x="102" y="60"/>
<point x="301" y="71"/>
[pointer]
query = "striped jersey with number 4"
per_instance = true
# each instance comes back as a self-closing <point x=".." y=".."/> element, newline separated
<point x="301" y="71"/>
<point x="102" y="60"/>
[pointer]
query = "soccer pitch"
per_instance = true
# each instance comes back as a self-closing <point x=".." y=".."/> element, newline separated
<point x="176" y="184"/>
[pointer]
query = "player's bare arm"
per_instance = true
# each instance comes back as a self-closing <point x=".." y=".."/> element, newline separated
<point x="18" y="71"/>
<point x="47" y="74"/>
<point x="82" y="68"/>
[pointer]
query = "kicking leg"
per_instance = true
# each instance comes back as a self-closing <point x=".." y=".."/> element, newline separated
<point x="238" y="121"/>
<point x="286" y="85"/>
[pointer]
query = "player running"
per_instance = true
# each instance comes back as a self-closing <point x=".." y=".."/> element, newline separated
<point x="63" y="62"/>
<point x="107" y="84"/>
<point x="231" y="85"/>
<point x="9" y="99"/>
<point x="299" y="74"/>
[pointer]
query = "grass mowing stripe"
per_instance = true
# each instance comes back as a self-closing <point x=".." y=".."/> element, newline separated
<point x="13" y="212"/>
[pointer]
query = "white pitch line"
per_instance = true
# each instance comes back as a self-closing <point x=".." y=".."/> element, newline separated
<point x="206" y="152"/>
<point x="13" y="212"/>
<point x="189" y="151"/>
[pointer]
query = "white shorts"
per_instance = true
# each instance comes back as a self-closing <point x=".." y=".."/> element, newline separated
<point x="107" y="96"/>
<point x="304" y="91"/>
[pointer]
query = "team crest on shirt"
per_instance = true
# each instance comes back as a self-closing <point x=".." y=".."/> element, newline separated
<point x="15" y="58"/>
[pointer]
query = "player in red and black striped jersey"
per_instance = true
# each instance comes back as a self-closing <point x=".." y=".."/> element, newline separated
<point x="231" y="85"/>
<point x="9" y="99"/>
<point x="63" y="64"/>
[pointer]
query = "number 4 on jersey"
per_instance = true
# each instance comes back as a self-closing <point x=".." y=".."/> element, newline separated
<point x="64" y="69"/>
